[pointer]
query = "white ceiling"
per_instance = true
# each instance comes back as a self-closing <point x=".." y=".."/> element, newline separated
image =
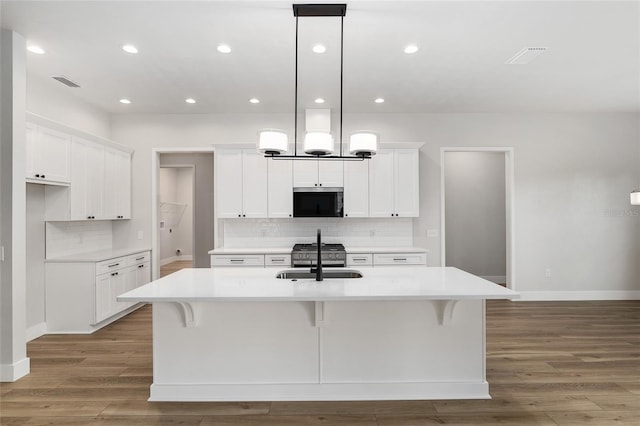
<point x="592" y="63"/>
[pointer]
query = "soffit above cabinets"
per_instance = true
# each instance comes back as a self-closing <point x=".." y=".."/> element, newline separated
<point x="459" y="67"/>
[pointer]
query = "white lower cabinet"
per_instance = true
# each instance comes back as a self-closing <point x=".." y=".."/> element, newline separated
<point x="237" y="260"/>
<point x="386" y="259"/>
<point x="81" y="296"/>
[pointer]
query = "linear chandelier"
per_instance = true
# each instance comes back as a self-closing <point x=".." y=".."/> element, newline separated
<point x="318" y="144"/>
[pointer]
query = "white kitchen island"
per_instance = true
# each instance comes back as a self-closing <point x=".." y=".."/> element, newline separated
<point x="240" y="334"/>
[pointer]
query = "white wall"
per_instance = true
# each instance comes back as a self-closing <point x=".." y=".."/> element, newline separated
<point x="35" y="258"/>
<point x="573" y="174"/>
<point x="58" y="102"/>
<point x="475" y="213"/>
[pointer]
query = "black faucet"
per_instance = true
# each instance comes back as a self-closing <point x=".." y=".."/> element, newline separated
<point x="318" y="268"/>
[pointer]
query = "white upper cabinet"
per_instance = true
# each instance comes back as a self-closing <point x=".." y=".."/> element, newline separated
<point x="87" y="187"/>
<point x="47" y="155"/>
<point x="356" y="188"/>
<point x="241" y="183"/>
<point x="117" y="186"/>
<point x="280" y="188"/>
<point x="394" y="189"/>
<point x="311" y="173"/>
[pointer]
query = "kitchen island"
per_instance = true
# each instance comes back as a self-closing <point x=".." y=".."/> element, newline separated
<point x="241" y="334"/>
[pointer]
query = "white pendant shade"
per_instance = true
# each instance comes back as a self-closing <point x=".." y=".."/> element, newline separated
<point x="272" y="141"/>
<point x="363" y="143"/>
<point x="635" y="198"/>
<point x="318" y="143"/>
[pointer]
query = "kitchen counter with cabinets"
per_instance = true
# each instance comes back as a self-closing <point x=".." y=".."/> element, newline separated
<point x="238" y="334"/>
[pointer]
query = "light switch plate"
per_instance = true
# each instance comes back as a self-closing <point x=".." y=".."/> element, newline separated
<point x="433" y="233"/>
<point x="140" y="235"/>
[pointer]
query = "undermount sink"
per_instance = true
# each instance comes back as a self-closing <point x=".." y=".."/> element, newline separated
<point x="294" y="274"/>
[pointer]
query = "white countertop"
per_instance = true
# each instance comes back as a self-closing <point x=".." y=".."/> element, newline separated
<point x="260" y="284"/>
<point x="98" y="256"/>
<point x="287" y="250"/>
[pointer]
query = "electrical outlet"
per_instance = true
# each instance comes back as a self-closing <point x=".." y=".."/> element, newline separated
<point x="433" y="233"/>
<point x="2" y="254"/>
<point x="547" y="272"/>
<point x="140" y="235"/>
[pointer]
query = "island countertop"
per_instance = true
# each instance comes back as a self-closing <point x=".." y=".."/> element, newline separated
<point x="260" y="284"/>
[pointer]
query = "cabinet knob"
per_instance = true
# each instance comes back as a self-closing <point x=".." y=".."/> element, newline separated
<point x="346" y="215"/>
<point x="42" y="176"/>
<point x="37" y="175"/>
<point x="244" y="215"/>
<point x="396" y="214"/>
<point x="289" y="214"/>
<point x="391" y="214"/>
<point x="315" y="184"/>
<point x="318" y="184"/>
<point x="239" y="215"/>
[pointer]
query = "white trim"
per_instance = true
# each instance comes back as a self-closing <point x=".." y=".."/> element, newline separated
<point x="155" y="168"/>
<point x="498" y="279"/>
<point x="509" y="205"/>
<point x="13" y="372"/>
<point x="320" y="391"/>
<point x="171" y="259"/>
<point x="530" y="296"/>
<point x="36" y="331"/>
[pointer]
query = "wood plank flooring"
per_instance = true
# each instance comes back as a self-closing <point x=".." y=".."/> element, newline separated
<point x="172" y="267"/>
<point x="560" y="363"/>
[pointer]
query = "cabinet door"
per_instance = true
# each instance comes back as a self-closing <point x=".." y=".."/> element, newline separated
<point x="52" y="157"/>
<point x="111" y="170"/>
<point x="95" y="186"/>
<point x="143" y="275"/>
<point x="254" y="184"/>
<point x="30" y="150"/>
<point x="330" y="173"/>
<point x="381" y="185"/>
<point x="305" y="173"/>
<point x="407" y="183"/>
<point x="280" y="188"/>
<point x="79" y="183"/>
<point x="356" y="188"/>
<point x="122" y="196"/>
<point x="229" y="183"/>
<point x="118" y="287"/>
<point x="102" y="297"/>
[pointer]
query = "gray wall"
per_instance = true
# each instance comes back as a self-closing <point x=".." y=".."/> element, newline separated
<point x="203" y="238"/>
<point x="475" y="213"/>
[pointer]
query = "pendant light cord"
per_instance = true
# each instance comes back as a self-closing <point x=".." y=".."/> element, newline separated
<point x="341" y="76"/>
<point x="295" y="107"/>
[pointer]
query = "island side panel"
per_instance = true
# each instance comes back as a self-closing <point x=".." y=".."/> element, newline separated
<point x="402" y="342"/>
<point x="236" y="343"/>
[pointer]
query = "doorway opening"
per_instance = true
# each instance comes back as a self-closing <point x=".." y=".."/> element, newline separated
<point x="176" y="189"/>
<point x="477" y="212"/>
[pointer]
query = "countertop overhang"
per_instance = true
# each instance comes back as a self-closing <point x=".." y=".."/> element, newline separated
<point x="231" y="284"/>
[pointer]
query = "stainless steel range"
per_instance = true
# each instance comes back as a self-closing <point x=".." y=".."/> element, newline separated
<point x="306" y="255"/>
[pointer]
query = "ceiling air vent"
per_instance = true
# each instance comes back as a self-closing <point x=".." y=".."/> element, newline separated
<point x="64" y="80"/>
<point x="526" y="55"/>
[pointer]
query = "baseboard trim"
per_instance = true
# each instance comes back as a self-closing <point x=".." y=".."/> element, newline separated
<point x="13" y="372"/>
<point x="36" y="331"/>
<point x="498" y="279"/>
<point x="175" y="258"/>
<point x="526" y="296"/>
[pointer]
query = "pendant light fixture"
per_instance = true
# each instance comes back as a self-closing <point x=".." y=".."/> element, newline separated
<point x="635" y="197"/>
<point x="318" y="144"/>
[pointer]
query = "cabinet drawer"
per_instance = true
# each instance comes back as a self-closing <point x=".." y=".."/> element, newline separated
<point x="360" y="259"/>
<point x="138" y="258"/>
<point x="110" y="265"/>
<point x="277" y="260"/>
<point x="241" y="260"/>
<point x="400" y="259"/>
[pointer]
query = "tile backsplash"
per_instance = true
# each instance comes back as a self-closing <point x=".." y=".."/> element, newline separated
<point x="365" y="232"/>
<point x="69" y="238"/>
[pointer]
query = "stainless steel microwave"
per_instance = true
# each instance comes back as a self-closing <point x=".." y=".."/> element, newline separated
<point x="318" y="202"/>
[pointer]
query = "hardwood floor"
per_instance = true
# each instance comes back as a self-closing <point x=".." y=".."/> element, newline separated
<point x="172" y="267"/>
<point x="560" y="363"/>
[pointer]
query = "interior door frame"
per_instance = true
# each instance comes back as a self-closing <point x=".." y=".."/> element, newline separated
<point x="509" y="205"/>
<point x="155" y="171"/>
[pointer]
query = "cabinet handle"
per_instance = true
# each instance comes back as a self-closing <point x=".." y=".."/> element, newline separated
<point x="236" y="260"/>
<point x="111" y="266"/>
<point x="399" y="259"/>
<point x="114" y="274"/>
<point x="277" y="259"/>
<point x="359" y="259"/>
<point x="140" y="258"/>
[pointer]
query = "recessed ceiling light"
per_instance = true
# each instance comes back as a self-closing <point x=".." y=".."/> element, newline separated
<point x="319" y="101"/>
<point x="319" y="48"/>
<point x="223" y="48"/>
<point x="190" y="101"/>
<point x="412" y="48"/>
<point x="379" y="100"/>
<point x="130" y="48"/>
<point x="125" y="101"/>
<point x="254" y="100"/>
<point x="35" y="49"/>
